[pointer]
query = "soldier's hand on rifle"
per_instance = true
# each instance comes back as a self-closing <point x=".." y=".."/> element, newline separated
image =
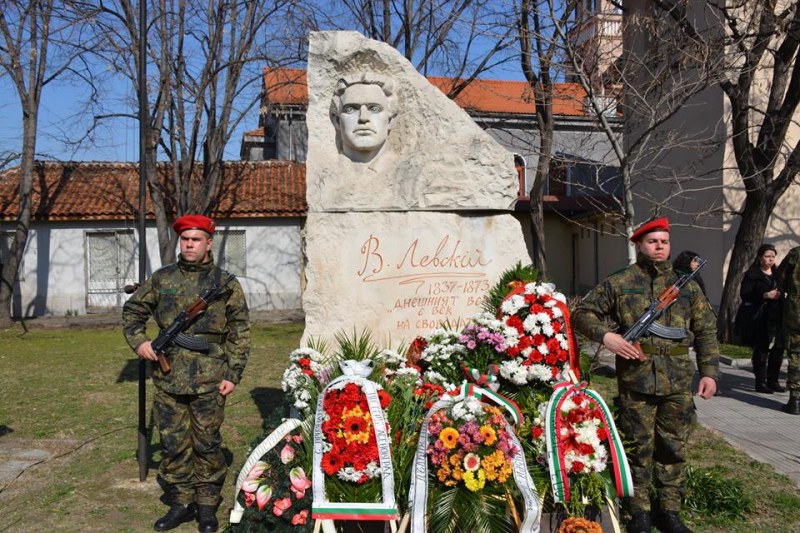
<point x="145" y="351"/>
<point x="616" y="344"/>
<point x="226" y="387"/>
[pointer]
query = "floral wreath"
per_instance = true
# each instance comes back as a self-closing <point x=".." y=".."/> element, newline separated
<point x="541" y="344"/>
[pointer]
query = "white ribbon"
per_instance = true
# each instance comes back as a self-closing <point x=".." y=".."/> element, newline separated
<point x="418" y="492"/>
<point x="266" y="445"/>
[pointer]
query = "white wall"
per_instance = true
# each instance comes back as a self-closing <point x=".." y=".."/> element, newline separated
<point x="53" y="278"/>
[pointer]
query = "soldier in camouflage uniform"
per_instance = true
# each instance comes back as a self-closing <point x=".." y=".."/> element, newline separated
<point x="788" y="280"/>
<point x="657" y="410"/>
<point x="190" y="400"/>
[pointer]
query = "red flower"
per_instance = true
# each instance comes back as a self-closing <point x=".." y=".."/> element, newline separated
<point x="384" y="398"/>
<point x="577" y="467"/>
<point x="536" y="432"/>
<point x="332" y="462"/>
<point x="300" y="518"/>
<point x="553" y="345"/>
<point x="516" y="323"/>
<point x="602" y="433"/>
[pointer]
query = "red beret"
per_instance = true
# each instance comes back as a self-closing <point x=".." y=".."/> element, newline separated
<point x="658" y="224"/>
<point x="194" y="222"/>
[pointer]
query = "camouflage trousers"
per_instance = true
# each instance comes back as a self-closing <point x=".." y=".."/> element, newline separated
<point x="656" y="430"/>
<point x="793" y="372"/>
<point x="193" y="463"/>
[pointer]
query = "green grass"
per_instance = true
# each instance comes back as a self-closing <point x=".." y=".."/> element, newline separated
<point x="73" y="392"/>
<point x="735" y="351"/>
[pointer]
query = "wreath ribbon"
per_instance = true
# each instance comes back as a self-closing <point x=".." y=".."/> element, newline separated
<point x="418" y="492"/>
<point x="559" y="478"/>
<point x="355" y="372"/>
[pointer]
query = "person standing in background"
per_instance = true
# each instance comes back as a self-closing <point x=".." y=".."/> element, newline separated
<point x="762" y="311"/>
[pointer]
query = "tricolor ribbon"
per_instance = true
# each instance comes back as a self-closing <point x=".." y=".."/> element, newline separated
<point x="489" y="379"/>
<point x="418" y="492"/>
<point x="355" y="372"/>
<point x="559" y="477"/>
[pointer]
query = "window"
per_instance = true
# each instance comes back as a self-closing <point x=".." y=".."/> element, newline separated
<point x="230" y="251"/>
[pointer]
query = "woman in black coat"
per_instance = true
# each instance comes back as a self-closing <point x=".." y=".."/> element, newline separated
<point x="761" y="312"/>
<point x="685" y="263"/>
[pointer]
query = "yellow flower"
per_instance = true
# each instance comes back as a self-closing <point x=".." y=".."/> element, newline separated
<point x="489" y="435"/>
<point x="474" y="481"/>
<point x="449" y="437"/>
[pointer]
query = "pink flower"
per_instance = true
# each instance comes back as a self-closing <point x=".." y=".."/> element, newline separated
<point x="300" y="518"/>
<point x="287" y="454"/>
<point x="253" y="478"/>
<point x="299" y="482"/>
<point x="249" y="499"/>
<point x="263" y="495"/>
<point x="281" y="506"/>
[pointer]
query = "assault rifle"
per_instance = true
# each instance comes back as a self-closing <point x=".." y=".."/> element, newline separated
<point x="174" y="334"/>
<point x="647" y="322"/>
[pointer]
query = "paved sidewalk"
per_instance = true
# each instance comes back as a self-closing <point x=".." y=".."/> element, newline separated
<point x="753" y="422"/>
<point x="748" y="420"/>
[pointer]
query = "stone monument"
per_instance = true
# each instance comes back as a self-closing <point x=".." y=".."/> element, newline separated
<point x="409" y="201"/>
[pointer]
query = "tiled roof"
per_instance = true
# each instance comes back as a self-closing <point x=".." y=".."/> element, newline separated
<point x="110" y="191"/>
<point x="288" y="87"/>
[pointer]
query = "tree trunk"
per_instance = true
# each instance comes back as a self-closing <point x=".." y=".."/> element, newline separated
<point x="10" y="270"/>
<point x="749" y="236"/>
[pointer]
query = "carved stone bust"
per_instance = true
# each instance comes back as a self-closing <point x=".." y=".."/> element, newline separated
<point x="362" y="110"/>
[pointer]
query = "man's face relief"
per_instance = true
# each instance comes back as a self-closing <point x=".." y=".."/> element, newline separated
<point x="364" y="121"/>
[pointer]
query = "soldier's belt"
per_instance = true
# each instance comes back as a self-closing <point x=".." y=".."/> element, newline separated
<point x="650" y="349"/>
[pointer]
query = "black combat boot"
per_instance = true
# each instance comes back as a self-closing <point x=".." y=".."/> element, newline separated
<point x="639" y="523"/>
<point x="177" y="515"/>
<point x="207" y="518"/>
<point x="670" y="522"/>
<point x="793" y="405"/>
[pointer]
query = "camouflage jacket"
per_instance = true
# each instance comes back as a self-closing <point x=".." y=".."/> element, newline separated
<point x="788" y="280"/>
<point x="623" y="297"/>
<point x="226" y="323"/>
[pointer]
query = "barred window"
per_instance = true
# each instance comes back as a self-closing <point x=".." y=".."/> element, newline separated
<point x="230" y="250"/>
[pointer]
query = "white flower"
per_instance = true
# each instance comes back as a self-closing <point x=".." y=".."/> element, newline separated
<point x="531" y="325"/>
<point x="548" y="330"/>
<point x="511" y="305"/>
<point x="467" y="409"/>
<point x="538" y="372"/>
<point x="542" y="348"/>
<point x="556" y="312"/>
<point x="514" y="372"/>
